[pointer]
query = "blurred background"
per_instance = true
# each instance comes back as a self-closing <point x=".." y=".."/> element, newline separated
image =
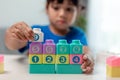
<point x="100" y="19"/>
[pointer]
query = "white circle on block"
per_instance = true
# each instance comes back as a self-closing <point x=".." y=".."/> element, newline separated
<point x="76" y="49"/>
<point x="35" y="49"/>
<point x="63" y="49"/>
<point x="49" y="49"/>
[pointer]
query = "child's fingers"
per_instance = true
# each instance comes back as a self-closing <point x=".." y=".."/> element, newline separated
<point x="87" y="67"/>
<point x="18" y="35"/>
<point x="20" y="31"/>
<point x="88" y="70"/>
<point x="84" y="65"/>
<point x="85" y="57"/>
<point x="14" y="36"/>
<point x="28" y="31"/>
<point x="24" y="31"/>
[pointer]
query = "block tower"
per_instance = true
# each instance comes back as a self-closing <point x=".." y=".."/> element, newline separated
<point x="69" y="57"/>
<point x="51" y="58"/>
<point x="1" y="64"/>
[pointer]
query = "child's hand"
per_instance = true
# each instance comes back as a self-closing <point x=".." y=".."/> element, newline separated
<point x="21" y="31"/>
<point x="88" y="63"/>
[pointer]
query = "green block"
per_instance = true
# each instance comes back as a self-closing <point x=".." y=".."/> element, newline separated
<point x="68" y="69"/>
<point x="42" y="69"/>
<point x="76" y="47"/>
<point x="62" y="47"/>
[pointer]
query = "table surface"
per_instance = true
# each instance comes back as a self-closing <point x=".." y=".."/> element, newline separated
<point x="16" y="68"/>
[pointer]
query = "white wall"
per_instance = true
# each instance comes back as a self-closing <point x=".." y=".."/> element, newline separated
<point x="104" y="25"/>
<point x="30" y="11"/>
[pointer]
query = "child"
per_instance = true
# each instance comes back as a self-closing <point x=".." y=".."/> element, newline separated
<point x="61" y="14"/>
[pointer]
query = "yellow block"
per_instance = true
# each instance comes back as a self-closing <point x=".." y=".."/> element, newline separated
<point x="1" y="68"/>
<point x="48" y="59"/>
<point x="35" y="58"/>
<point x="113" y="71"/>
<point x="62" y="59"/>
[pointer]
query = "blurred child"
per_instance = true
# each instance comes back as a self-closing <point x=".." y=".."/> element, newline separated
<point x="62" y="15"/>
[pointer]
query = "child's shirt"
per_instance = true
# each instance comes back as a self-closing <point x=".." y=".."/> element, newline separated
<point x="75" y="33"/>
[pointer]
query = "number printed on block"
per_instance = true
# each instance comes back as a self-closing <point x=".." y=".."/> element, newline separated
<point x="76" y="59"/>
<point x="35" y="59"/>
<point x="35" y="48"/>
<point x="36" y="37"/>
<point x="76" y="49"/>
<point x="63" y="49"/>
<point x="62" y="59"/>
<point x="49" y="47"/>
<point x="49" y="59"/>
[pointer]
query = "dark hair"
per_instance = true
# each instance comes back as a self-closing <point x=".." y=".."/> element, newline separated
<point x="74" y="2"/>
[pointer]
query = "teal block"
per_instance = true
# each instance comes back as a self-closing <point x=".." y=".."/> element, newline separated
<point x="42" y="69"/>
<point x="62" y="47"/>
<point x="76" y="47"/>
<point x="68" y="69"/>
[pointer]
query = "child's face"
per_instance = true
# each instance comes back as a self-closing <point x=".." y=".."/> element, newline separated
<point x="63" y="15"/>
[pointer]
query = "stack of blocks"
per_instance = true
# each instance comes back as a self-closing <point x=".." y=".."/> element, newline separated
<point x="68" y="57"/>
<point x="51" y="58"/>
<point x="1" y="63"/>
<point x="113" y="66"/>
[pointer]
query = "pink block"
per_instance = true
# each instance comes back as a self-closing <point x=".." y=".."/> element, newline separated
<point x="113" y="61"/>
<point x="1" y="58"/>
<point x="49" y="47"/>
<point x="76" y="58"/>
<point x="35" y="48"/>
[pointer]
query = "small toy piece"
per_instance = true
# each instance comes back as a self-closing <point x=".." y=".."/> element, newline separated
<point x="35" y="48"/>
<point x="38" y="35"/>
<point x="113" y="66"/>
<point x="49" y="47"/>
<point x="1" y="64"/>
<point x="49" y="56"/>
<point x="76" y="47"/>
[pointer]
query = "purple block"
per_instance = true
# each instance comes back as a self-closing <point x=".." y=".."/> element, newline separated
<point x="35" y="48"/>
<point x="49" y="47"/>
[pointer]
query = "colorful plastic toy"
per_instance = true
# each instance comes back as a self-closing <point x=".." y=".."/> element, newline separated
<point x="1" y="64"/>
<point x="51" y="58"/>
<point x="38" y="37"/>
<point x="113" y="66"/>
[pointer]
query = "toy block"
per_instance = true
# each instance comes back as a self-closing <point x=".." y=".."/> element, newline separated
<point x="68" y="69"/>
<point x="49" y="47"/>
<point x="35" y="48"/>
<point x="1" y="59"/>
<point x="48" y="59"/>
<point x="38" y="35"/>
<point x="62" y="59"/>
<point x="62" y="47"/>
<point x="35" y="59"/>
<point x="42" y="69"/>
<point x="76" y="59"/>
<point x="1" y="64"/>
<point x="76" y="47"/>
<point x="113" y="66"/>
